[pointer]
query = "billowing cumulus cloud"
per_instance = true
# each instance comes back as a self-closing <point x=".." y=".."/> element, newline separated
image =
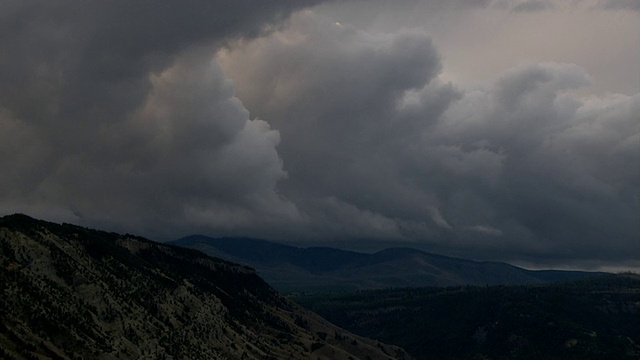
<point x="167" y="118"/>
<point x="369" y="133"/>
<point x="347" y="104"/>
<point x="566" y="180"/>
<point x="114" y="113"/>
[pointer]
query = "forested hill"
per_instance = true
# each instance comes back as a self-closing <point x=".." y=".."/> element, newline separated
<point x="71" y="292"/>
<point x="596" y="318"/>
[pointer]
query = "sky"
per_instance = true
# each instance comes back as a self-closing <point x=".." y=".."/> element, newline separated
<point x="487" y="129"/>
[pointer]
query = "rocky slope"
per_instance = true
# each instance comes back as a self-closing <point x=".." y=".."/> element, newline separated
<point x="70" y="293"/>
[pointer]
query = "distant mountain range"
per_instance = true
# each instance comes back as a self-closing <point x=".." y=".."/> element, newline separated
<point x="323" y="269"/>
<point x="75" y="293"/>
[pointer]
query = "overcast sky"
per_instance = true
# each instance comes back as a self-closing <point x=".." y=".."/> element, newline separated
<point x="487" y="129"/>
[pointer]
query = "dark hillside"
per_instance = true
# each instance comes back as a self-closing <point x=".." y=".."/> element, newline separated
<point x="76" y="293"/>
<point x="598" y="318"/>
<point x="313" y="259"/>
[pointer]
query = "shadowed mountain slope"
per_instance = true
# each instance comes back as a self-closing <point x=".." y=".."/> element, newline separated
<point x="322" y="269"/>
<point x="71" y="292"/>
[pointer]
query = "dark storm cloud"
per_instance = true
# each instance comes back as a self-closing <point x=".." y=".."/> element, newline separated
<point x="119" y="114"/>
<point x="620" y="5"/>
<point x="525" y="6"/>
<point x="102" y="51"/>
<point x="374" y="143"/>
<point x="115" y="112"/>
<point x="532" y="6"/>
<point x="567" y="183"/>
<point x="337" y="96"/>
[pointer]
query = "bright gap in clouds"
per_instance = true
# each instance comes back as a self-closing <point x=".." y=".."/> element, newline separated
<point x="479" y="40"/>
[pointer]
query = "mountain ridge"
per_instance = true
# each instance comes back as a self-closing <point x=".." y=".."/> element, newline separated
<point x="71" y="292"/>
<point x="292" y="269"/>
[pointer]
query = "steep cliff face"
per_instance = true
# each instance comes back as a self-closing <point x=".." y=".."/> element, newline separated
<point x="71" y="292"/>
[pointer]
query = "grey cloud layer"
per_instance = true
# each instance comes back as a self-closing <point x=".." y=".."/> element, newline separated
<point x="119" y="114"/>
<point x="369" y="132"/>
<point x="113" y="112"/>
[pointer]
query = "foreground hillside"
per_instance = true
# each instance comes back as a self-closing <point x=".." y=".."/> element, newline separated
<point x="596" y="318"/>
<point x="72" y="293"/>
<point x="323" y="269"/>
